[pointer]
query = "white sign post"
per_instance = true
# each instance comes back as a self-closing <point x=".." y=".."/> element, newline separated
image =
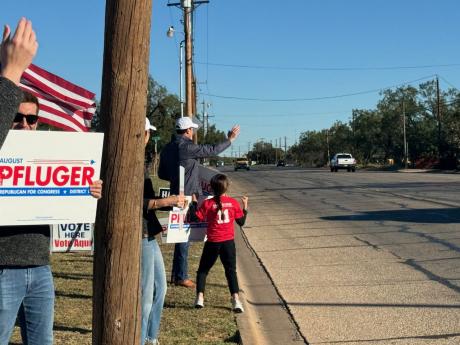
<point x="45" y="177"/>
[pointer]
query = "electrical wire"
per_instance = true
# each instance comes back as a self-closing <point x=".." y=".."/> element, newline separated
<point x="445" y="80"/>
<point x="318" y="98"/>
<point x="377" y="68"/>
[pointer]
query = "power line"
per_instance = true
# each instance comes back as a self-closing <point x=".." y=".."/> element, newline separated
<point x="375" y="68"/>
<point x="447" y="82"/>
<point x="318" y="98"/>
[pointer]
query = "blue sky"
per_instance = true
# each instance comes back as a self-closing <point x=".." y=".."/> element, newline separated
<point x="291" y="49"/>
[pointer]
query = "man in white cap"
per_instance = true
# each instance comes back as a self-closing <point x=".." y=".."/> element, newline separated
<point x="182" y="151"/>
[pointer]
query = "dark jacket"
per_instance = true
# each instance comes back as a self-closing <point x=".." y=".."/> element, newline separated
<point x="10" y="98"/>
<point x="183" y="151"/>
<point x="19" y="245"/>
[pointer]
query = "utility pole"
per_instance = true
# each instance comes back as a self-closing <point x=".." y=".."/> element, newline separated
<point x="404" y="131"/>
<point x="328" y="152"/>
<point x="116" y="284"/>
<point x="281" y="148"/>
<point x="276" y="150"/>
<point x="188" y="7"/>
<point x="285" y="148"/>
<point x="438" y="113"/>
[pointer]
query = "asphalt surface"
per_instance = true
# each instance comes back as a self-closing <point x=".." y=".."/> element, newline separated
<point x="357" y="258"/>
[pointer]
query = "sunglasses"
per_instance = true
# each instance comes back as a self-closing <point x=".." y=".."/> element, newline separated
<point x="30" y="118"/>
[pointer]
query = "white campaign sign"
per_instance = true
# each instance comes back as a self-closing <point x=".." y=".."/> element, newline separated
<point x="72" y="237"/>
<point x="45" y="177"/>
<point x="177" y="230"/>
<point x="185" y="233"/>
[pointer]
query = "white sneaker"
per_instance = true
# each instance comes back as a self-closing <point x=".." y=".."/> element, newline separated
<point x="237" y="306"/>
<point x="199" y="303"/>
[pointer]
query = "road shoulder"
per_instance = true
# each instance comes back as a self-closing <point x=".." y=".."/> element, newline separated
<point x="266" y="320"/>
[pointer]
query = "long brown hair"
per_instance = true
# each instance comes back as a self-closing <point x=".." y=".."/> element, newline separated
<point x="219" y="185"/>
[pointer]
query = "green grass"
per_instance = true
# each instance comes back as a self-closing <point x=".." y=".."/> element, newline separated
<point x="181" y="323"/>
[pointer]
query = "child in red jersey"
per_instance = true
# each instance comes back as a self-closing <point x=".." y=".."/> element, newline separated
<point x="220" y="212"/>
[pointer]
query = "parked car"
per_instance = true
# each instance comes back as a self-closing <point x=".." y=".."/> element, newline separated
<point x="281" y="163"/>
<point x="343" y="161"/>
<point x="241" y="163"/>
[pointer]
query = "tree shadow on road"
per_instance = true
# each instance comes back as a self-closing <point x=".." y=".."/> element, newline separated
<point x="424" y="215"/>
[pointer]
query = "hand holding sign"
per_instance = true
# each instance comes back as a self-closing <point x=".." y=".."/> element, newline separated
<point x="96" y="189"/>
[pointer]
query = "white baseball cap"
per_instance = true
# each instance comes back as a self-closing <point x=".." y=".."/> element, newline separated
<point x="148" y="126"/>
<point x="185" y="123"/>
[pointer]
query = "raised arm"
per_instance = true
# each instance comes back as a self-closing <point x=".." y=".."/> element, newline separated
<point x="16" y="54"/>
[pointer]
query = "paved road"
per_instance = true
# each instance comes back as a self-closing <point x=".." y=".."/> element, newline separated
<point x="359" y="258"/>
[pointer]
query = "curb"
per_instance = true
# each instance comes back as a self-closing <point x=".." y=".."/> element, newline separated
<point x="266" y="321"/>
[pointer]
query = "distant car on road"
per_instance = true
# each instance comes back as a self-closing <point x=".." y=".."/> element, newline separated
<point x="219" y="164"/>
<point x="281" y="163"/>
<point x="241" y="163"/>
<point x="343" y="161"/>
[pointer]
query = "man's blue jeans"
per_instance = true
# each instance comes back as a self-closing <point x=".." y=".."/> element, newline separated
<point x="180" y="262"/>
<point x="31" y="292"/>
<point x="153" y="279"/>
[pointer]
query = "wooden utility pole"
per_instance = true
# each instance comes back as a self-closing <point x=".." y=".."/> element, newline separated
<point x="116" y="285"/>
<point x="190" y="84"/>
<point x="404" y="136"/>
<point x="438" y="113"/>
<point x="187" y="6"/>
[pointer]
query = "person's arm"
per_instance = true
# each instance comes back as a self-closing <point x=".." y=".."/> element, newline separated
<point x="10" y="98"/>
<point x="16" y="54"/>
<point x="172" y="200"/>
<point x="240" y="221"/>
<point x="203" y="151"/>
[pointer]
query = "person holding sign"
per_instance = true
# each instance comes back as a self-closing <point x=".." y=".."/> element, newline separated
<point x="220" y="212"/>
<point x="153" y="275"/>
<point x="26" y="282"/>
<point x="16" y="54"/>
<point x="181" y="151"/>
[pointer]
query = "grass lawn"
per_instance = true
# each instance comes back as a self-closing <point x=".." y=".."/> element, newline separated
<point x="181" y="323"/>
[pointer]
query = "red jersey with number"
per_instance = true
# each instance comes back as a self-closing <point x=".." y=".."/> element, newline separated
<point x="220" y="222"/>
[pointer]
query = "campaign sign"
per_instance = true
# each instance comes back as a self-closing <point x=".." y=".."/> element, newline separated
<point x="45" y="177"/>
<point x="72" y="237"/>
<point x="187" y="232"/>
<point x="205" y="175"/>
<point x="164" y="192"/>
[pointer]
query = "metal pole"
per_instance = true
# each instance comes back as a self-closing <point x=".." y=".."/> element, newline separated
<point x="181" y="82"/>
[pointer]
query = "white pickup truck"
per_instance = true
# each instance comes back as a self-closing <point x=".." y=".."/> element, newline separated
<point x="343" y="161"/>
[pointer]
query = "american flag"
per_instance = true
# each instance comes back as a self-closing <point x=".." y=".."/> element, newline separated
<point x="62" y="104"/>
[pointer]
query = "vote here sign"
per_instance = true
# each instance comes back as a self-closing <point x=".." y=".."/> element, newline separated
<point x="45" y="177"/>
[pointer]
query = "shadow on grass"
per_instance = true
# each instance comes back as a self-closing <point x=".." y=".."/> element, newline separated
<point x="72" y="295"/>
<point x="63" y="328"/>
<point x="235" y="338"/>
<point x="190" y="306"/>
<point x="73" y="276"/>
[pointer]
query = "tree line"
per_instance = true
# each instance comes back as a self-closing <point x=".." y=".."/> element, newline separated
<point x="431" y="119"/>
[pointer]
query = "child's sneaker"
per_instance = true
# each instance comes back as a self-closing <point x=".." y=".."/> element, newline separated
<point x="237" y="306"/>
<point x="199" y="303"/>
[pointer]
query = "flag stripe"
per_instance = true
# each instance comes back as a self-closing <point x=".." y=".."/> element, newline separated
<point x="58" y="116"/>
<point x="66" y="122"/>
<point x="60" y="85"/>
<point x="62" y="104"/>
<point x="67" y="108"/>
<point x="50" y="91"/>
